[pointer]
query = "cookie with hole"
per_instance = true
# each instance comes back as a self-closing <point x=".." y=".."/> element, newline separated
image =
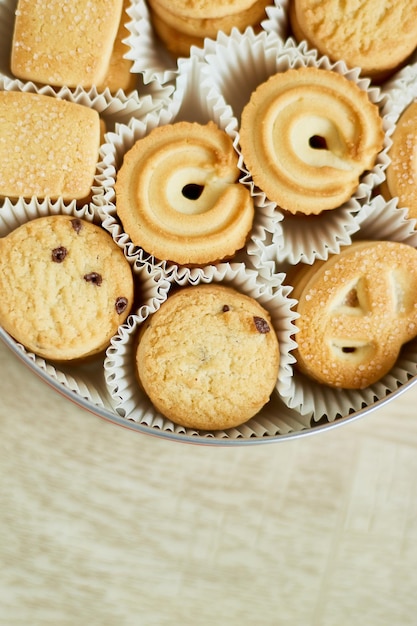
<point x="178" y="194"/>
<point x="356" y="311"/>
<point x="307" y="136"/>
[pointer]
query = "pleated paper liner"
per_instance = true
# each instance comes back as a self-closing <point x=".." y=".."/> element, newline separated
<point x="241" y="62"/>
<point x="113" y="107"/>
<point x="194" y="101"/>
<point x="87" y="380"/>
<point x="400" y="92"/>
<point x="383" y="221"/>
<point x="148" y="55"/>
<point x="401" y="89"/>
<point x="215" y="83"/>
<point x="152" y="60"/>
<point x="131" y="402"/>
<point x="277" y="20"/>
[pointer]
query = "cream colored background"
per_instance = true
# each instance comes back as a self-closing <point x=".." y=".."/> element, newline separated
<point x="103" y="526"/>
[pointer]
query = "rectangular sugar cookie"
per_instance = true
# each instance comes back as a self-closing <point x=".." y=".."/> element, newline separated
<point x="64" y="42"/>
<point x="48" y="147"/>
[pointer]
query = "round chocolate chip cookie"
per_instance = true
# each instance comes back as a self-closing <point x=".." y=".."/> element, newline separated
<point x="208" y="358"/>
<point x="66" y="287"/>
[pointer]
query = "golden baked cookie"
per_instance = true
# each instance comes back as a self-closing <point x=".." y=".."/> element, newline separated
<point x="356" y="311"/>
<point x="48" y="147"/>
<point x="307" y="135"/>
<point x="375" y="35"/>
<point x="64" y="43"/>
<point x="178" y="195"/>
<point x="204" y="10"/>
<point x="401" y="173"/>
<point x="177" y="43"/>
<point x="66" y="287"/>
<point x="182" y="24"/>
<point x="118" y="74"/>
<point x="208" y="358"/>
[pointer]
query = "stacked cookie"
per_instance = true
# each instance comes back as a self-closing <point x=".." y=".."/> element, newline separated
<point x="182" y="24"/>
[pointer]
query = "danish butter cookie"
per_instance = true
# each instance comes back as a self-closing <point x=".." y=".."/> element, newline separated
<point x="375" y="35"/>
<point x="208" y="358"/>
<point x="48" y="147"/>
<point x="64" y="42"/>
<point x="66" y="287"/>
<point x="118" y="74"/>
<point x="401" y="174"/>
<point x="182" y="24"/>
<point x="307" y="135"/>
<point x="178" y="195"/>
<point x="356" y="311"/>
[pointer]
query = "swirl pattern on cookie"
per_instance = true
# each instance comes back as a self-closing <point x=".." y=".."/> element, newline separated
<point x="307" y="135"/>
<point x="178" y="195"/>
<point x="356" y="311"/>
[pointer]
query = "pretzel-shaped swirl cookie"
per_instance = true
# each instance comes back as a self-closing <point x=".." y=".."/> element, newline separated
<point x="178" y="195"/>
<point x="307" y="135"/>
<point x="356" y="311"/>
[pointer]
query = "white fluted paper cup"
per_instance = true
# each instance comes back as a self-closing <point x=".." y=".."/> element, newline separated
<point x="277" y="20"/>
<point x="151" y="57"/>
<point x="195" y="100"/>
<point x="384" y="222"/>
<point x="239" y="64"/>
<point x="85" y="379"/>
<point x="131" y="402"/>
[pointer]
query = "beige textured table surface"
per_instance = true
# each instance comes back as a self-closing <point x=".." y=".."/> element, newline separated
<point x="103" y="526"/>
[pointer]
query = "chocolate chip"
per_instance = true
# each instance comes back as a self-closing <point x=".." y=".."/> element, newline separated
<point x="121" y="305"/>
<point x="93" y="277"/>
<point x="59" y="254"/>
<point x="262" y="325"/>
<point x="77" y="225"/>
<point x="226" y="308"/>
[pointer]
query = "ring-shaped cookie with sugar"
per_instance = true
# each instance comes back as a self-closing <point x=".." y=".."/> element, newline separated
<point x="401" y="174"/>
